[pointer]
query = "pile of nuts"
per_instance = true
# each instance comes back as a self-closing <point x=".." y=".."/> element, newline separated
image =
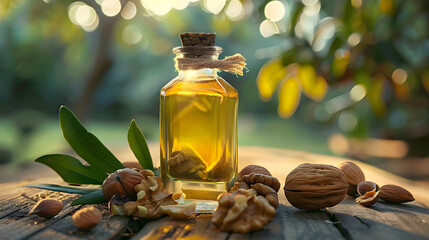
<point x="251" y="203"/>
<point x="249" y="206"/>
<point x="85" y="219"/>
<point x="370" y="192"/>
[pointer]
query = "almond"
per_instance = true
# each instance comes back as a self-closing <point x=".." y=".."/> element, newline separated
<point x="47" y="208"/>
<point x="354" y="176"/>
<point x="395" y="194"/>
<point x="87" y="218"/>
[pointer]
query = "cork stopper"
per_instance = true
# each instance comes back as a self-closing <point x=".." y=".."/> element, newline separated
<point x="198" y="39"/>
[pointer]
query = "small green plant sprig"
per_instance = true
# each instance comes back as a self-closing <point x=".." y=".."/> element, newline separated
<point x="101" y="161"/>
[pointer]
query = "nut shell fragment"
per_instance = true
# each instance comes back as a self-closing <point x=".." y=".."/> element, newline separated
<point x="182" y="212"/>
<point x="395" y="194"/>
<point x="366" y="186"/>
<point x="152" y="196"/>
<point x="315" y="186"/>
<point x="369" y="198"/>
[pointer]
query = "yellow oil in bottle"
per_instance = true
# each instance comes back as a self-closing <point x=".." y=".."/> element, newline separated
<point x="198" y="131"/>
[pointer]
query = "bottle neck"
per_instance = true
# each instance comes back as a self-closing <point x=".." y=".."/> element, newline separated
<point x="198" y="74"/>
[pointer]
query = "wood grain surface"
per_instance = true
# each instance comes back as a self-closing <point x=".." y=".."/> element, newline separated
<point x="346" y="220"/>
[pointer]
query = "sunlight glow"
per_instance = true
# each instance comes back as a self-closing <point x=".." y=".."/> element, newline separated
<point x="214" y="6"/>
<point x="129" y="11"/>
<point x="399" y="76"/>
<point x="274" y="11"/>
<point x="235" y="10"/>
<point x="111" y="8"/>
<point x="268" y="28"/>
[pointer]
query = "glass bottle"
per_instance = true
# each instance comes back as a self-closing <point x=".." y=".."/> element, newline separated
<point x="198" y="129"/>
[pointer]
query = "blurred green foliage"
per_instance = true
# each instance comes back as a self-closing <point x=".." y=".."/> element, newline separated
<point x="337" y="66"/>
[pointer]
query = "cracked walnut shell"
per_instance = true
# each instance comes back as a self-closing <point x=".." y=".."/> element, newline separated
<point x="315" y="186"/>
<point x="242" y="212"/>
<point x="150" y="197"/>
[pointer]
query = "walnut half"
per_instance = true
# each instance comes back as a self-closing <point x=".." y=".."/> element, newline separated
<point x="242" y="211"/>
<point x="151" y="196"/>
<point x="186" y="166"/>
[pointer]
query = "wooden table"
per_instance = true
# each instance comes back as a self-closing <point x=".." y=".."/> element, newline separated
<point x="346" y="220"/>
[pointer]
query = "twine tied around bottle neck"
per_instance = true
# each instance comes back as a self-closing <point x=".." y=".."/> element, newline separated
<point x="233" y="64"/>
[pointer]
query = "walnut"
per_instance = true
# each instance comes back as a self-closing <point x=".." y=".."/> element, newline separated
<point x="121" y="182"/>
<point x="239" y="185"/>
<point x="267" y="192"/>
<point x="146" y="172"/>
<point x="253" y="178"/>
<point x="151" y="195"/>
<point x="116" y="204"/>
<point x="186" y="166"/>
<point x="315" y="186"/>
<point x="242" y="211"/>
<point x="252" y="169"/>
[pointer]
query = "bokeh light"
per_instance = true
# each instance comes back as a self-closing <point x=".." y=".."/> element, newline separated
<point x="129" y="11"/>
<point x="354" y="39"/>
<point x="157" y="7"/>
<point x="180" y="4"/>
<point x="274" y="11"/>
<point x="309" y="2"/>
<point x="399" y="76"/>
<point x="347" y="121"/>
<point x="132" y="34"/>
<point x="111" y="8"/>
<point x="357" y="93"/>
<point x="83" y="15"/>
<point x="214" y="6"/>
<point x="235" y="10"/>
<point x="312" y="10"/>
<point x="268" y="28"/>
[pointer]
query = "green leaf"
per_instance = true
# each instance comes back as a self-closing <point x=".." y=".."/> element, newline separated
<point x="289" y="96"/>
<point x="94" y="197"/>
<point x="85" y="144"/>
<point x="72" y="170"/>
<point x="59" y="188"/>
<point x="138" y="145"/>
<point x="269" y="78"/>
